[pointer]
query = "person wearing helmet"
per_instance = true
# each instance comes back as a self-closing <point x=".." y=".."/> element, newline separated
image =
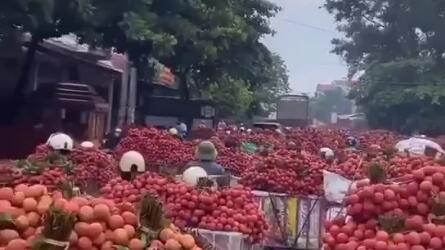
<point x="327" y="154"/>
<point x="61" y="142"/>
<point x="242" y="129"/>
<point x="351" y="143"/>
<point x="222" y="125"/>
<point x="130" y="164"/>
<point x="174" y="132"/>
<point x="206" y="154"/>
<point x="181" y="127"/>
<point x="112" y="139"/>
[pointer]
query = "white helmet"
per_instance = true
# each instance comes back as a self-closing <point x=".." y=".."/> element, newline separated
<point x="192" y="175"/>
<point x="60" y="141"/>
<point x="173" y="131"/>
<point x="130" y="159"/>
<point x="328" y="153"/>
<point x="87" y="144"/>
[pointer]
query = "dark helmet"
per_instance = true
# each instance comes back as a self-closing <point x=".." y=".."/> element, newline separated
<point x="351" y="141"/>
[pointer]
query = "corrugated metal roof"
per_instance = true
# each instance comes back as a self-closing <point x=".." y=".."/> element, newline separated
<point x="80" y="96"/>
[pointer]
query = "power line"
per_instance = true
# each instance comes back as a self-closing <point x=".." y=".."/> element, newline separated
<point x="309" y="26"/>
<point x="401" y="83"/>
<point x="322" y="63"/>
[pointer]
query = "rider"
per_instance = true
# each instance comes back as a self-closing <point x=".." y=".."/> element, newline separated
<point x="61" y="142"/>
<point x="351" y="143"/>
<point x="112" y="139"/>
<point x="327" y="154"/>
<point x="130" y="164"/>
<point x="174" y="132"/>
<point x="181" y="127"/>
<point x="206" y="154"/>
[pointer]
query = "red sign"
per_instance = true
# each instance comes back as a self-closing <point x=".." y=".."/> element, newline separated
<point x="165" y="77"/>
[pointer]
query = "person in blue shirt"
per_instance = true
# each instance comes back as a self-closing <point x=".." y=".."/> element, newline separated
<point x="182" y="129"/>
<point x="206" y="154"/>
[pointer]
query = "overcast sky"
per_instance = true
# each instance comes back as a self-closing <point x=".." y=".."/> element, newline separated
<point x="303" y="35"/>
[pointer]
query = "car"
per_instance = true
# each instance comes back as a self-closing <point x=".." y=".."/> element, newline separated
<point x="269" y="126"/>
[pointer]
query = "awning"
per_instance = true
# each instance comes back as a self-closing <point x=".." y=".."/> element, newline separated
<point x="352" y="116"/>
<point x="163" y="76"/>
<point x="79" y="96"/>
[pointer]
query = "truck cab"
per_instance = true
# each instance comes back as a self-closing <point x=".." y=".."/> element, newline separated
<point x="293" y="110"/>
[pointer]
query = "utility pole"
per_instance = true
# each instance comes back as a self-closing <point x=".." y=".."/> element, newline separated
<point x="124" y="96"/>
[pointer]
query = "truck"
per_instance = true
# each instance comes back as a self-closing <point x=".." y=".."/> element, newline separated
<point x="293" y="110"/>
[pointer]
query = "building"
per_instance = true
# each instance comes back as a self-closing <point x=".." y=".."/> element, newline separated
<point x="71" y="89"/>
<point x="83" y="92"/>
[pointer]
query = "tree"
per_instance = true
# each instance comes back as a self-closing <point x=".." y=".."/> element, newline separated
<point x="329" y="102"/>
<point x="399" y="47"/>
<point x="269" y="83"/>
<point x="207" y="43"/>
<point x="206" y="58"/>
<point x="405" y="95"/>
<point x="232" y="97"/>
<point x="215" y="39"/>
<point x="131" y="27"/>
<point x="204" y="42"/>
<point x="385" y="30"/>
<point x="240" y="100"/>
<point x="41" y="19"/>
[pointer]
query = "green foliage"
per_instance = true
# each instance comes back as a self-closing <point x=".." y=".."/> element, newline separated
<point x="259" y="90"/>
<point x="45" y="18"/>
<point x="268" y="84"/>
<point x="232" y="97"/>
<point x="399" y="46"/>
<point x="217" y="39"/>
<point x="208" y="44"/>
<point x="241" y="98"/>
<point x="405" y="95"/>
<point x="323" y="105"/>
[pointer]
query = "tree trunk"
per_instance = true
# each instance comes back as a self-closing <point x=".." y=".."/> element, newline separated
<point x="185" y="92"/>
<point x="184" y="88"/>
<point x="18" y="97"/>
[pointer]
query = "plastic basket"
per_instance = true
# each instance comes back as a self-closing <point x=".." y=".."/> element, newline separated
<point x="219" y="180"/>
<point x="226" y="240"/>
<point x="295" y="222"/>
